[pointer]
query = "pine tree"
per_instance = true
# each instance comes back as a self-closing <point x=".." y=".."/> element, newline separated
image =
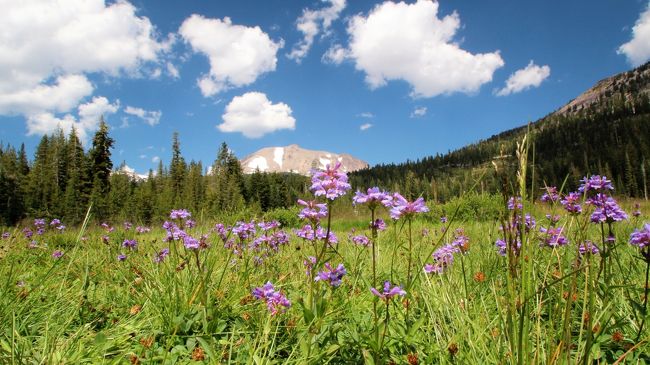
<point x="75" y="200"/>
<point x="177" y="171"/>
<point x="100" y="170"/>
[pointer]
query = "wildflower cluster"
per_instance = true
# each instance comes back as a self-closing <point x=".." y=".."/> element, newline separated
<point x="245" y="236"/>
<point x="641" y="239"/>
<point x="588" y="247"/>
<point x="276" y="302"/>
<point x="443" y="257"/>
<point x="307" y="233"/>
<point x="330" y="182"/>
<point x="373" y="198"/>
<point x="332" y="276"/>
<point x="181" y="218"/>
<point x="402" y="208"/>
<point x="553" y="237"/>
<point x="312" y="211"/>
<point x="550" y="195"/>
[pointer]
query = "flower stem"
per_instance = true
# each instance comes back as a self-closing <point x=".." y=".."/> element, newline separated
<point x="645" y="294"/>
<point x="408" y="273"/>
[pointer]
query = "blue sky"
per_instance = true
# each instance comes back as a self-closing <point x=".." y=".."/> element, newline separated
<point x="383" y="81"/>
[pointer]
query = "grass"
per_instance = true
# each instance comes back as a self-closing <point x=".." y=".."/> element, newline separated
<point x="88" y="307"/>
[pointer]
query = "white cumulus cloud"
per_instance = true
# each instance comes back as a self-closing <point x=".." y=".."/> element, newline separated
<point x="60" y="96"/>
<point x="637" y="50"/>
<point x="238" y="54"/>
<point x="254" y="115"/>
<point x="312" y="22"/>
<point x="47" y="48"/>
<point x="89" y="115"/>
<point x="151" y="117"/>
<point x="400" y="41"/>
<point x="525" y="78"/>
<point x="419" y="112"/>
<point x="335" y="55"/>
<point x="365" y="126"/>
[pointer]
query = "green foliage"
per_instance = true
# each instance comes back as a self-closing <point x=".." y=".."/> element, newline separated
<point x="474" y="207"/>
<point x="288" y="217"/>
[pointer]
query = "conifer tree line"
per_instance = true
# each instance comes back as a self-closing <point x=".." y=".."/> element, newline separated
<point x="62" y="180"/>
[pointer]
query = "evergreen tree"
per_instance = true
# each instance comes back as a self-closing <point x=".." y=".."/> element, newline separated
<point x="177" y="171"/>
<point x="100" y="170"/>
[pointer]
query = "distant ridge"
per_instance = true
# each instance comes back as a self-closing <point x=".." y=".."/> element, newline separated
<point x="296" y="159"/>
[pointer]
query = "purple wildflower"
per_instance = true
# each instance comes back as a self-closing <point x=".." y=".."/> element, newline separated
<point x="515" y="203"/>
<point x="502" y="247"/>
<point x="637" y="210"/>
<point x="57" y="254"/>
<point x="309" y="263"/>
<point x="330" y="182"/>
<point x="595" y="183"/>
<point x="160" y="257"/>
<point x="360" y="240"/>
<point x="191" y="243"/>
<point x="275" y="300"/>
<point x="378" y="224"/>
<point x="553" y="237"/>
<point x="180" y="214"/>
<point x="221" y="230"/>
<point x="553" y="219"/>
<point x="33" y="244"/>
<point x="443" y="257"/>
<point x="373" y="197"/>
<point x="60" y="228"/>
<point x="266" y="226"/>
<point x="131" y="244"/>
<point x="190" y="223"/>
<point x="105" y="239"/>
<point x="108" y="228"/>
<point x="607" y="210"/>
<point x="6" y="235"/>
<point x="39" y="223"/>
<point x="121" y="257"/>
<point x="461" y="241"/>
<point x="332" y="276"/>
<point x="588" y="247"/>
<point x="142" y="229"/>
<point x="313" y="210"/>
<point x="550" y="195"/>
<point x="127" y="226"/>
<point x="28" y="233"/>
<point x="388" y="291"/>
<point x="641" y="238"/>
<point x="244" y="230"/>
<point x="404" y="208"/>
<point x="307" y="233"/>
<point x="40" y="231"/>
<point x="443" y="219"/>
<point x="571" y="203"/>
<point x="55" y="222"/>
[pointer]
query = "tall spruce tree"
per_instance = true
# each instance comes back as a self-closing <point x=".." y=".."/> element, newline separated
<point x="177" y="171"/>
<point x="100" y="170"/>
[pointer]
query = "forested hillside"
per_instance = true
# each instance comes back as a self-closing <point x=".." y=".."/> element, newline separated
<point x="606" y="130"/>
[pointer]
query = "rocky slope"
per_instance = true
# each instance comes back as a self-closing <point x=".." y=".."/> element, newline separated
<point x="622" y="86"/>
<point x="298" y="160"/>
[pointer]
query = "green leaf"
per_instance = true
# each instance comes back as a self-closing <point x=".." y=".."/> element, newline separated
<point x="100" y="338"/>
<point x="207" y="348"/>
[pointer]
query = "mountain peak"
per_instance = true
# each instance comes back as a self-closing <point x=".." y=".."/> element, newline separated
<point x="295" y="159"/>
